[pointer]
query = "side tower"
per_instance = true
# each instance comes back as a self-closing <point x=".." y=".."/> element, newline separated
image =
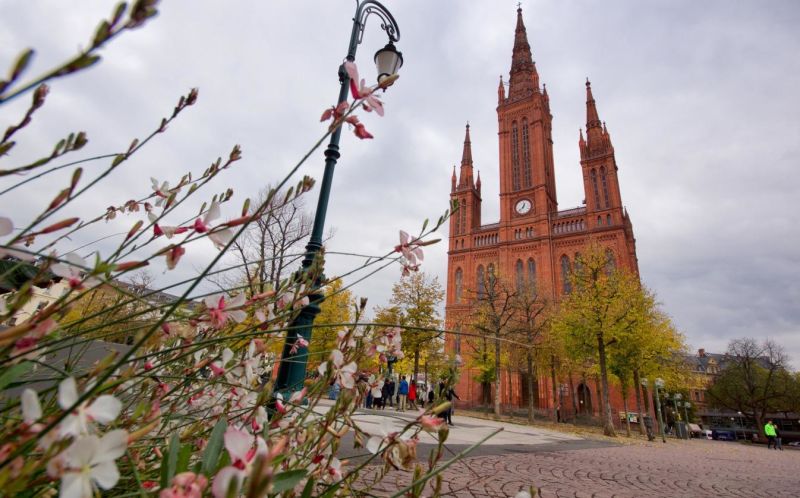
<point x="604" y="208"/>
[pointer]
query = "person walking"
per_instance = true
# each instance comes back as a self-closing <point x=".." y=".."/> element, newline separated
<point x="412" y="394"/>
<point x="448" y="393"/>
<point x="388" y="395"/>
<point x="431" y="395"/>
<point x="402" y="394"/>
<point x="778" y="445"/>
<point x="769" y="431"/>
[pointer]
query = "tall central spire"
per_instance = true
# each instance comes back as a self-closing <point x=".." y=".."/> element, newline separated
<point x="523" y="77"/>
<point x="465" y="177"/>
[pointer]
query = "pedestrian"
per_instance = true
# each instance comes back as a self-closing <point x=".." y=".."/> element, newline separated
<point x="769" y="431"/>
<point x="431" y="395"/>
<point x="386" y="392"/>
<point x="402" y="394"/>
<point x="448" y="393"/>
<point x="412" y="394"/>
<point x="778" y="445"/>
<point x="368" y="401"/>
<point x="377" y="399"/>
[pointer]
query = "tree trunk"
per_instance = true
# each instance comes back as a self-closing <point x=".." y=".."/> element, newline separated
<point x="416" y="363"/>
<point x="573" y="396"/>
<point x="599" y="393"/>
<point x="555" y="387"/>
<point x="530" y="385"/>
<point x="608" y="424"/>
<point x="497" y="392"/>
<point x="625" y="408"/>
<point x="638" y="401"/>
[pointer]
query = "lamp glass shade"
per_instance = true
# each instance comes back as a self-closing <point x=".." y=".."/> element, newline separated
<point x="388" y="61"/>
<point x="678" y="396"/>
<point x="659" y="383"/>
<point x="644" y="381"/>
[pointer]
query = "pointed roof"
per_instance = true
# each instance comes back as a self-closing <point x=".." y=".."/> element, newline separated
<point x="592" y="119"/>
<point x="523" y="76"/>
<point x="465" y="176"/>
<point x="466" y="155"/>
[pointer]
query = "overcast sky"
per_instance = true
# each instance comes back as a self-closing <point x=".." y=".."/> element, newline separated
<point x="701" y="100"/>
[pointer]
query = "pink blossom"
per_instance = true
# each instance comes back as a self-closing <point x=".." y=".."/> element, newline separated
<point x="299" y="342"/>
<point x="219" y="236"/>
<point x="220" y="309"/>
<point x="185" y="485"/>
<point x="243" y="449"/>
<point x="430" y="423"/>
<point x="173" y="254"/>
<point x="89" y="464"/>
<point x="6" y="226"/>
<point x="409" y="248"/>
<point x="104" y="409"/>
<point x="345" y="374"/>
<point x="360" y="90"/>
<point x="73" y="270"/>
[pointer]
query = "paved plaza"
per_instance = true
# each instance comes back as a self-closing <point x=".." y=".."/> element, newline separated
<point x="566" y="465"/>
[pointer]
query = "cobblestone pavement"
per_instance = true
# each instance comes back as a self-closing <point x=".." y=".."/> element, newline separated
<point x="676" y="469"/>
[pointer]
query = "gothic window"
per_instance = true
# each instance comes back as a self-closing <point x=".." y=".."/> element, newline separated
<point x="532" y="273"/>
<point x="593" y="176"/>
<point x="458" y="341"/>
<point x="459" y="284"/>
<point x="515" y="183"/>
<point x="481" y="283"/>
<point x="605" y="185"/>
<point x="463" y="215"/>
<point x="578" y="262"/>
<point x="608" y="219"/>
<point x="611" y="263"/>
<point x="491" y="275"/>
<point x="526" y="155"/>
<point x="599" y="221"/>
<point x="565" y="274"/>
<point x="457" y="222"/>
<point x="520" y="274"/>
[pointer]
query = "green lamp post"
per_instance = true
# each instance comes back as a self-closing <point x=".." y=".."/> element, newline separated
<point x="388" y="60"/>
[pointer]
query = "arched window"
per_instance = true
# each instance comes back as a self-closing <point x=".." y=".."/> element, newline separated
<point x="565" y="271"/>
<point x="526" y="155"/>
<point x="611" y="262"/>
<point x="532" y="273"/>
<point x="599" y="221"/>
<point x="578" y="262"/>
<point x="481" y="282"/>
<point x="608" y="219"/>
<point x="457" y="222"/>
<point x="491" y="275"/>
<point x="593" y="175"/>
<point x="463" y="215"/>
<point x="605" y="185"/>
<point x="459" y="284"/>
<point x="515" y="183"/>
<point x="520" y="275"/>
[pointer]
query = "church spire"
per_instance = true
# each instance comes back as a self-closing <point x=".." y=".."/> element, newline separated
<point x="465" y="178"/>
<point x="453" y="180"/>
<point x="523" y="79"/>
<point x="501" y="91"/>
<point x="592" y="119"/>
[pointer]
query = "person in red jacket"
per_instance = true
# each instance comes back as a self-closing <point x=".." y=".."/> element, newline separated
<point x="412" y="394"/>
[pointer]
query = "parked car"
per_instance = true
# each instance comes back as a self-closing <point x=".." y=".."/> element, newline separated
<point x="722" y="435"/>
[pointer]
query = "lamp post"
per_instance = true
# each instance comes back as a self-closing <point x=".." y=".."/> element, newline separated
<point x="388" y="60"/>
<point x="686" y="406"/>
<point x="659" y="383"/>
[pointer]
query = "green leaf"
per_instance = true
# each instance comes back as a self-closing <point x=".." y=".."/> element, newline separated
<point x="117" y="160"/>
<point x="425" y="225"/>
<point x="22" y="62"/>
<point x="183" y="458"/>
<point x="213" y="448"/>
<point x="287" y="480"/>
<point x="170" y="461"/>
<point x="308" y="489"/>
<point x="13" y="373"/>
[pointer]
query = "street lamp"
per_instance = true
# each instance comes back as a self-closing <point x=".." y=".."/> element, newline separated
<point x="659" y="384"/>
<point x="388" y="60"/>
<point x="686" y="406"/>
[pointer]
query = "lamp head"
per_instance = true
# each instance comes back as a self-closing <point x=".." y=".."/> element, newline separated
<point x="644" y="381"/>
<point x="388" y="60"/>
<point x="659" y="383"/>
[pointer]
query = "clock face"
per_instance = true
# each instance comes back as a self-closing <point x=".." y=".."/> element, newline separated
<point x="523" y="206"/>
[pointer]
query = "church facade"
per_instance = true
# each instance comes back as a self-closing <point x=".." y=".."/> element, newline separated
<point x="533" y="241"/>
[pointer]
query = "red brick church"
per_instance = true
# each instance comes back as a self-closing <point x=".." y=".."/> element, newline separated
<point x="533" y="240"/>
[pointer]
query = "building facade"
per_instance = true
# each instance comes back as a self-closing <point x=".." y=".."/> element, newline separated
<point x="534" y="241"/>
